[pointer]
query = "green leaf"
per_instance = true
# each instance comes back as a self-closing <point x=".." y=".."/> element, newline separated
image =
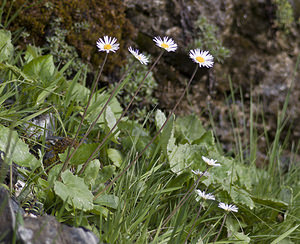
<point x="110" y="120"/>
<point x="74" y="191"/>
<point x="284" y="235"/>
<point x="166" y="137"/>
<point x="80" y="93"/>
<point x="6" y="48"/>
<point x="115" y="156"/>
<point x="31" y="53"/>
<point x="208" y="139"/>
<point x="44" y="94"/>
<point x="241" y="196"/>
<point x="274" y="203"/>
<point x="137" y="137"/>
<point x="91" y="172"/>
<point x="41" y="68"/>
<point x="184" y="156"/>
<point x="160" y="118"/>
<point x="105" y="174"/>
<point x="188" y="129"/>
<point x="18" y="150"/>
<point x="81" y="155"/>
<point x="110" y="201"/>
<point x="53" y="173"/>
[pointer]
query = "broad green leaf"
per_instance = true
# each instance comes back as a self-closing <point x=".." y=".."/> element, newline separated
<point x="183" y="156"/>
<point x="208" y="139"/>
<point x="105" y="174"/>
<point x="53" y="173"/>
<point x="160" y="118"/>
<point x="31" y="53"/>
<point x="6" y="48"/>
<point x="274" y="203"/>
<point x="41" y="68"/>
<point x="241" y="196"/>
<point x="239" y="237"/>
<point x="74" y="191"/>
<point x="166" y="138"/>
<point x="81" y="155"/>
<point x="115" y="156"/>
<point x="188" y="129"/>
<point x="91" y="172"/>
<point x="18" y="150"/>
<point x="110" y="201"/>
<point x="110" y="120"/>
<point x="80" y="93"/>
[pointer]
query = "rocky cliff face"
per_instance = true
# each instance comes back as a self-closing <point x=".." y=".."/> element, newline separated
<point x="261" y="65"/>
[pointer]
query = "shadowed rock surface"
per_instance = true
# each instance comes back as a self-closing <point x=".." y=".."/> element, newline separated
<point x="37" y="230"/>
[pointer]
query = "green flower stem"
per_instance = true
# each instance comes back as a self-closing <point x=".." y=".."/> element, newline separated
<point x="220" y="229"/>
<point x="64" y="167"/>
<point x="184" y="199"/>
<point x="101" y="112"/>
<point x="193" y="225"/>
<point x="152" y="140"/>
<point x="122" y="115"/>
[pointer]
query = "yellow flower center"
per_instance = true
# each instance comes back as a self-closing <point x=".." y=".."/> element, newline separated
<point x="139" y="57"/>
<point x="107" y="47"/>
<point x="164" y="45"/>
<point x="200" y="59"/>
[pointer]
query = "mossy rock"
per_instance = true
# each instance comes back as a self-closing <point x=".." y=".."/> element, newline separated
<point x="101" y="17"/>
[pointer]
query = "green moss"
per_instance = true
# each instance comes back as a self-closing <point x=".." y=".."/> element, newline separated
<point x="284" y="15"/>
<point x="63" y="52"/>
<point x="81" y="22"/>
<point x="206" y="39"/>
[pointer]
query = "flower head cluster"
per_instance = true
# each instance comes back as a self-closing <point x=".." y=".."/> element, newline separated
<point x="210" y="162"/>
<point x="205" y="196"/>
<point x="203" y="58"/>
<point x="167" y="43"/>
<point x="108" y="44"/>
<point x="228" y="208"/>
<point x="140" y="57"/>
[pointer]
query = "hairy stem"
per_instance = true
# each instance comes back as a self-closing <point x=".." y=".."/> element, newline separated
<point x="193" y="225"/>
<point x="220" y="228"/>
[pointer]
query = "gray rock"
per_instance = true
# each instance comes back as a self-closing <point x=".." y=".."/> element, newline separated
<point x="5" y="171"/>
<point x="7" y="217"/>
<point x="46" y="229"/>
<point x="37" y="230"/>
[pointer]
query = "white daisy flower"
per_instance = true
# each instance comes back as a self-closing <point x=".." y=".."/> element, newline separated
<point x="167" y="43"/>
<point x="205" y="196"/>
<point x="108" y="44"/>
<point x="228" y="208"/>
<point x="203" y="58"/>
<point x="140" y="57"/>
<point x="200" y="173"/>
<point x="210" y="162"/>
